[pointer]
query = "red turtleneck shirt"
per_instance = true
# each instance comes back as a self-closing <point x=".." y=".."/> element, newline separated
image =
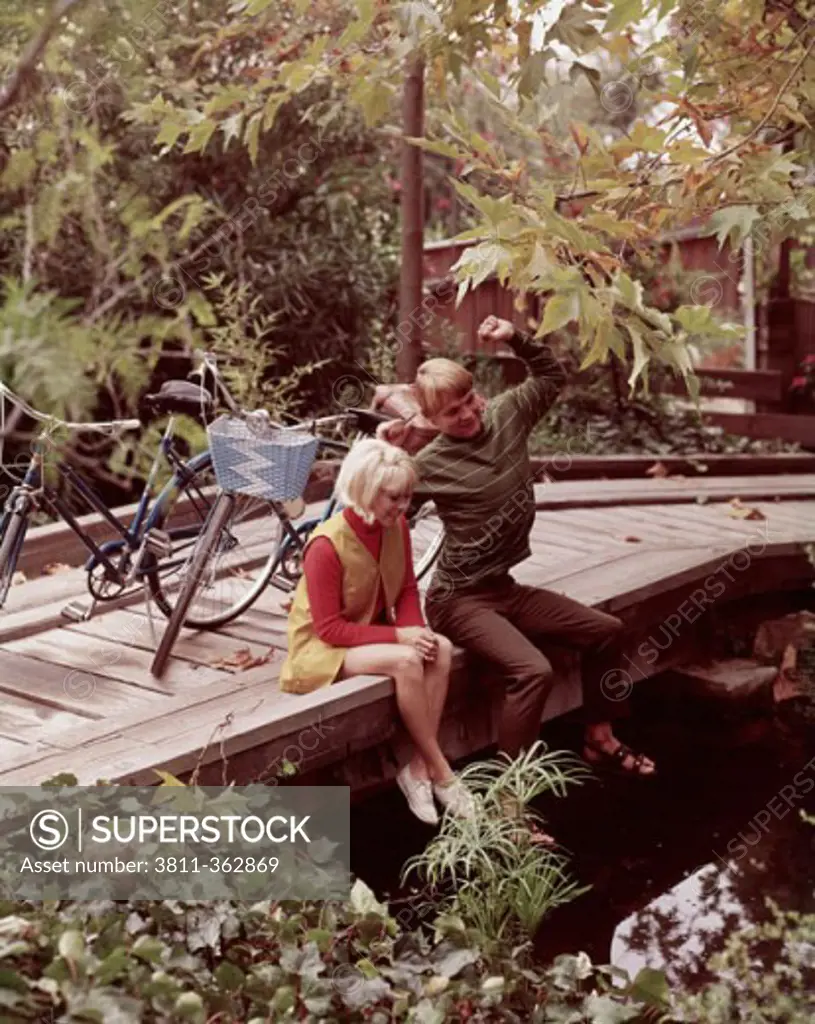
<point x="323" y="571"/>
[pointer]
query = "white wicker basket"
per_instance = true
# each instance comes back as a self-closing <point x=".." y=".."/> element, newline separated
<point x="260" y="461"/>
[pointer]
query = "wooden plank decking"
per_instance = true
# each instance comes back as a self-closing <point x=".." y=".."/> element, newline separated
<point x="79" y="697"/>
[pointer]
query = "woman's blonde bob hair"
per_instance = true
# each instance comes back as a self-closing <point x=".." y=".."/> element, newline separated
<point x="369" y="466"/>
<point x="440" y="382"/>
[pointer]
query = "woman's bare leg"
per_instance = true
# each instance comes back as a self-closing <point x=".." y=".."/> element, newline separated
<point x="406" y="668"/>
<point x="437" y="680"/>
<point x="436" y="683"/>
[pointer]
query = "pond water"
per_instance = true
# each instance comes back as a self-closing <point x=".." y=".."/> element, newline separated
<point x="677" y="863"/>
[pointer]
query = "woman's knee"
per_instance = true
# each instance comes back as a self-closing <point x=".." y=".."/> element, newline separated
<point x="408" y="664"/>
<point x="445" y="647"/>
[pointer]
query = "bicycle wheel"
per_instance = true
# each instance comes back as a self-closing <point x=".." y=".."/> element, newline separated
<point x="196" y="569"/>
<point x="426" y="537"/>
<point x="13" y="527"/>
<point x="246" y="554"/>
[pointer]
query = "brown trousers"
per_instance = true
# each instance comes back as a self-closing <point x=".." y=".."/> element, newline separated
<point x="503" y="622"/>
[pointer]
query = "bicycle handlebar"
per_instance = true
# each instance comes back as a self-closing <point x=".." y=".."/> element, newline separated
<point x="109" y="426"/>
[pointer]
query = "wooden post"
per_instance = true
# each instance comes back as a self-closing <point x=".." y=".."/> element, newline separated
<point x="781" y="323"/>
<point x="781" y="316"/>
<point x="409" y="331"/>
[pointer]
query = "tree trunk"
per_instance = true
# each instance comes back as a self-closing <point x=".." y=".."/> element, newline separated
<point x="409" y="331"/>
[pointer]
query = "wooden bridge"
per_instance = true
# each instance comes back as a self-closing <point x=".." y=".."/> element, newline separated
<point x="678" y="559"/>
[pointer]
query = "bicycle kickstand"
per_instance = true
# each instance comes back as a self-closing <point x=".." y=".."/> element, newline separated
<point x="148" y="607"/>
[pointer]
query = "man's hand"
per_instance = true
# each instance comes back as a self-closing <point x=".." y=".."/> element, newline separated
<point x="495" y="331"/>
<point x="421" y="638"/>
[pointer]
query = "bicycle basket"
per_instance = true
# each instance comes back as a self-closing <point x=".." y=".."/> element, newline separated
<point x="260" y="461"/>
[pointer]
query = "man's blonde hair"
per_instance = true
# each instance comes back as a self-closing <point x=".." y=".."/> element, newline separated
<point x="369" y="466"/>
<point x="440" y="382"/>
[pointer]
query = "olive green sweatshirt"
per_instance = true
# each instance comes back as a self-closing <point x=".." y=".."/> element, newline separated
<point x="483" y="486"/>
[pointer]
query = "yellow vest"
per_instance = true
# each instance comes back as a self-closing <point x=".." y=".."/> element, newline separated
<point x="310" y="662"/>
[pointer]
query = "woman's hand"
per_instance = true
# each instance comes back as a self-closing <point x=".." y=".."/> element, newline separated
<point x="495" y="330"/>
<point x="421" y="639"/>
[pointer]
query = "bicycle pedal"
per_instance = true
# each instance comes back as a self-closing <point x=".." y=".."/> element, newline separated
<point x="159" y="542"/>
<point x="78" y="611"/>
<point x="283" y="583"/>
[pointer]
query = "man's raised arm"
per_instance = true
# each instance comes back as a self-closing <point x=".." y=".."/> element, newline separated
<point x="534" y="397"/>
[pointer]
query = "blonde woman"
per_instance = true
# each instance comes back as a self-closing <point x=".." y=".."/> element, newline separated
<point x="356" y="611"/>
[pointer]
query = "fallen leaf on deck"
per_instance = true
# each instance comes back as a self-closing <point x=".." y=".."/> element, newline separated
<point x="18" y="578"/>
<point x="243" y="659"/>
<point x="657" y="470"/>
<point x="633" y="540"/>
<point x="55" y="567"/>
<point x="738" y="510"/>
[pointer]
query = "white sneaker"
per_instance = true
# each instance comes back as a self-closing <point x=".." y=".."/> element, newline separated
<point x="455" y="798"/>
<point x="419" y="796"/>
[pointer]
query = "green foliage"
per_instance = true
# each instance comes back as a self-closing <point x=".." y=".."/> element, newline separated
<point x="785" y="994"/>
<point x="175" y="961"/>
<point x="109" y="237"/>
<point x="237" y="331"/>
<point x="502" y="884"/>
<point x="569" y="233"/>
<point x="172" y="961"/>
<point x="589" y="420"/>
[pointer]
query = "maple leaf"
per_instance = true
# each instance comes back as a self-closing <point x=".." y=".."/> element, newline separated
<point x="738" y="510"/>
<point x="734" y="222"/>
<point x="657" y="471"/>
<point x="243" y="659"/>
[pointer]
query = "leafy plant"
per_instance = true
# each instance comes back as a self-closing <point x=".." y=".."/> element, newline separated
<point x="486" y="870"/>
<point x="785" y="995"/>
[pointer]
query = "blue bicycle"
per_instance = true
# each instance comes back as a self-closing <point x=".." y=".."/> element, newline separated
<point x="155" y="545"/>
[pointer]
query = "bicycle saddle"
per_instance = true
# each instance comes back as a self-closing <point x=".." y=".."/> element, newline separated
<point x="367" y="420"/>
<point x="180" y="396"/>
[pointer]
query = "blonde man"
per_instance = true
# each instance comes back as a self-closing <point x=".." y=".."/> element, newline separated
<point x="478" y="473"/>
<point x="356" y="611"/>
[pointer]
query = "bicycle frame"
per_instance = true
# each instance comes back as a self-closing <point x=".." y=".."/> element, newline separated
<point x="297" y="535"/>
<point x="145" y="516"/>
<point x="34" y="492"/>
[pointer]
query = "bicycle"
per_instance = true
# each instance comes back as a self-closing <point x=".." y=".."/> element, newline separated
<point x="426" y="536"/>
<point x="156" y="544"/>
<point x="205" y="569"/>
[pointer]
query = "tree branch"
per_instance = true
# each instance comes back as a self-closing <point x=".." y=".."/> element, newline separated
<point x="31" y="57"/>
<point x="766" y="119"/>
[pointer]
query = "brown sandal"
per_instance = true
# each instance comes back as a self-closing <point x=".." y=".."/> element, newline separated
<point x="613" y="761"/>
